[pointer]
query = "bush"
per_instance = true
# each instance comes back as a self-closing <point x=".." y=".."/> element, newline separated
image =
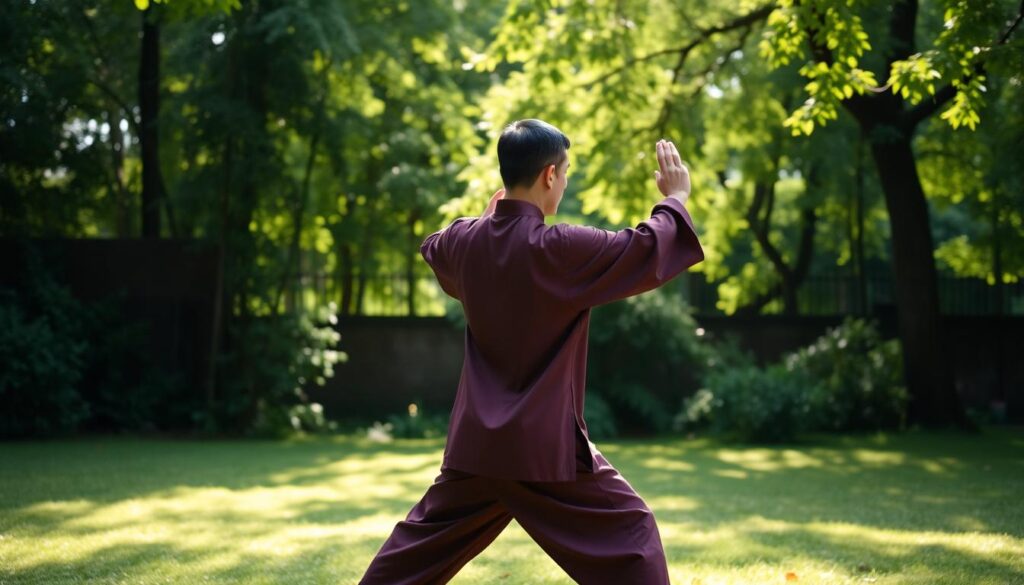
<point x="599" y="417"/>
<point x="278" y="421"/>
<point x="123" y="382"/>
<point x="416" y="424"/>
<point x="754" y="404"/>
<point x="263" y="374"/>
<point x="859" y="378"/>
<point x="848" y="379"/>
<point x="644" y="355"/>
<point x="43" y="352"/>
<point x="40" y="366"/>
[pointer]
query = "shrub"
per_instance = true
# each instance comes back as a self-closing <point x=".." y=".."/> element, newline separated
<point x="599" y="417"/>
<point x="859" y="378"/>
<point x="123" y="382"/>
<point x="40" y="366"/>
<point x="416" y="424"/>
<point x="754" y="404"/>
<point x="43" y="350"/>
<point x="644" y="355"/>
<point x="264" y="372"/>
<point x="848" y="379"/>
<point x="277" y="421"/>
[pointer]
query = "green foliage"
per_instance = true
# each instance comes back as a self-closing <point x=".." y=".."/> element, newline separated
<point x="830" y="39"/>
<point x="858" y="378"/>
<point x="416" y="424"/>
<point x="43" y="353"/>
<point x="263" y="377"/>
<point x="849" y="379"/>
<point x="755" y="404"/>
<point x="273" y="421"/>
<point x="975" y="182"/>
<point x="644" y="354"/>
<point x="126" y="387"/>
<point x="40" y="367"/>
<point x="599" y="416"/>
<point x="67" y="364"/>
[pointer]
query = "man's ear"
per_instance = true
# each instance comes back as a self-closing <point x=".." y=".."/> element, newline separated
<point x="549" y="175"/>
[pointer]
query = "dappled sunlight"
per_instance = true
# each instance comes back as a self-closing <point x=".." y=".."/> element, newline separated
<point x="503" y="560"/>
<point x="730" y="473"/>
<point x="318" y="510"/>
<point x="674" y="503"/>
<point x="770" y="459"/>
<point x="997" y="547"/>
<point x="350" y="500"/>
<point x="663" y="463"/>
<point x="877" y="458"/>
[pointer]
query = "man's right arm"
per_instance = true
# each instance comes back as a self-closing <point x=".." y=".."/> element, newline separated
<point x="604" y="266"/>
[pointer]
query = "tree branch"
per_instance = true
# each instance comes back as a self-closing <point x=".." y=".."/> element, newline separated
<point x="923" y="110"/>
<point x="745" y="20"/>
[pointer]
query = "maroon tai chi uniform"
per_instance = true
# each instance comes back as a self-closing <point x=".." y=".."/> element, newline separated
<point x="517" y="442"/>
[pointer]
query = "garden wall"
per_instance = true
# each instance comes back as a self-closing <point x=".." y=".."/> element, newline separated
<point x="166" y="287"/>
<point x="397" y="360"/>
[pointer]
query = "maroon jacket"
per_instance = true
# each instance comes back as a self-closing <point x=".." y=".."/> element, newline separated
<point x="527" y="289"/>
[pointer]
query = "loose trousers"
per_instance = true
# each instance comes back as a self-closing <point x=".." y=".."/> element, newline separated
<point x="596" y="528"/>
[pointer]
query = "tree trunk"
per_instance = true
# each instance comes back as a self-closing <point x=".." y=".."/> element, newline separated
<point x="928" y="372"/>
<point x="1000" y="295"/>
<point x="791" y="277"/>
<point x="858" y="241"/>
<point x="410" y="263"/>
<point x="345" y="266"/>
<point x="294" y="251"/>
<point x="360" y="291"/>
<point x="149" y="108"/>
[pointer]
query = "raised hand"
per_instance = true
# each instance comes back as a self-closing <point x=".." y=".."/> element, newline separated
<point x="673" y="178"/>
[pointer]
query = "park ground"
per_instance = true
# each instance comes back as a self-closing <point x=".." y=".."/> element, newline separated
<point x="921" y="508"/>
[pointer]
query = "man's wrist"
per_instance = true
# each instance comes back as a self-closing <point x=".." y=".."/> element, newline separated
<point x="682" y="196"/>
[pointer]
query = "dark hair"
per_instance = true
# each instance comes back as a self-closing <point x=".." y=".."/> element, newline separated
<point x="526" y="147"/>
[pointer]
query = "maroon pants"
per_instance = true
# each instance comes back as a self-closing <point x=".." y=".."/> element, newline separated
<point x="596" y="528"/>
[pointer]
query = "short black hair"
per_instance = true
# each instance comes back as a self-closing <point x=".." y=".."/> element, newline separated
<point x="526" y="147"/>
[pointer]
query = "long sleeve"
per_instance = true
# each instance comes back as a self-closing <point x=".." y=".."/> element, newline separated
<point x="436" y="250"/>
<point x="603" y="266"/>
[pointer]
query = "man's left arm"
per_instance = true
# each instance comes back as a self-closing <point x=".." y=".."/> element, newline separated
<point x="436" y="249"/>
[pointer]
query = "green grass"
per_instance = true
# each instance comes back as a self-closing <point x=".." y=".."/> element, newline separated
<point x="920" y="508"/>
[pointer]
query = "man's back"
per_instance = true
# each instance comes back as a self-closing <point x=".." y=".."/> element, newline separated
<point x="517" y="439"/>
<point x="527" y="289"/>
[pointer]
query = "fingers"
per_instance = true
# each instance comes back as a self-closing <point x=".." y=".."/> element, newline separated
<point x="668" y="155"/>
<point x="660" y="148"/>
<point x="674" y="155"/>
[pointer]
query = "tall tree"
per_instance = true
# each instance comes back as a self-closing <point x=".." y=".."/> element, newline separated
<point x="831" y="41"/>
<point x="633" y="55"/>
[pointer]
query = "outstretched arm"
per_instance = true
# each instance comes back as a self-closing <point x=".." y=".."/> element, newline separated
<point x="604" y="266"/>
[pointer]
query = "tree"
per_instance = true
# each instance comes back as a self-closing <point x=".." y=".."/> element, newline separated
<point x="831" y="41"/>
<point x="648" y="56"/>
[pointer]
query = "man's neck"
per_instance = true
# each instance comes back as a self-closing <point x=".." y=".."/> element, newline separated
<point x="527" y="196"/>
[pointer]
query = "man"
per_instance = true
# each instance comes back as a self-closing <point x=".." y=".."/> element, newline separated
<point x="517" y="442"/>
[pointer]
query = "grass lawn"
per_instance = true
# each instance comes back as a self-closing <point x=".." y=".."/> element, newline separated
<point x="920" y="508"/>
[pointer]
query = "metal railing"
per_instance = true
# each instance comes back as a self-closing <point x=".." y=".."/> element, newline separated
<point x="387" y="294"/>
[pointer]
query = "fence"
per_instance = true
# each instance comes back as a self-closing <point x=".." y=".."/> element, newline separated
<point x="387" y="294"/>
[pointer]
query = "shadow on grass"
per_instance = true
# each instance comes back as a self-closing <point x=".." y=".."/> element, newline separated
<point x="317" y="510"/>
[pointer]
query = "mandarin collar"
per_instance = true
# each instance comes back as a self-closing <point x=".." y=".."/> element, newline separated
<point x="517" y="207"/>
